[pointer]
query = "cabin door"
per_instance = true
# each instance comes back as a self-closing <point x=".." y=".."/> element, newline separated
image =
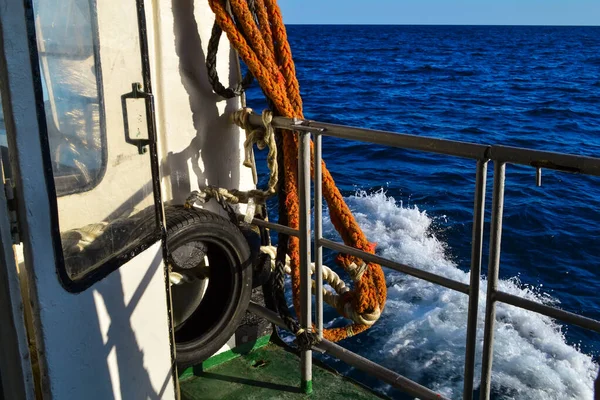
<point x="76" y="96"/>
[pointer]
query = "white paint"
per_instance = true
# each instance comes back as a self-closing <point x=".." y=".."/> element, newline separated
<point x="199" y="145"/>
<point x="146" y="331"/>
<point x="227" y="346"/>
<point x="82" y="352"/>
<point x="111" y="341"/>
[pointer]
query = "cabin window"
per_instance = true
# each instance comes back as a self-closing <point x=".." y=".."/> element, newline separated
<point x="106" y="211"/>
<point x="71" y="82"/>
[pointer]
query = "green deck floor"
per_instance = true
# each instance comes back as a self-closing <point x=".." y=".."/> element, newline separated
<point x="267" y="373"/>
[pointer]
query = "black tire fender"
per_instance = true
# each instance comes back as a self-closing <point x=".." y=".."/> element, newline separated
<point x="227" y="295"/>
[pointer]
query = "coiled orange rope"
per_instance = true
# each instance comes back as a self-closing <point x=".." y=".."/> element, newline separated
<point x="264" y="48"/>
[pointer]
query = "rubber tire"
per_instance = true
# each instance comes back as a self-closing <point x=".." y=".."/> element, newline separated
<point x="230" y="285"/>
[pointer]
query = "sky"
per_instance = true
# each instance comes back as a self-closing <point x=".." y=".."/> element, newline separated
<point x="454" y="12"/>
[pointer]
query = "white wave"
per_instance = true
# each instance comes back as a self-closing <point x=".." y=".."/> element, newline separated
<point x="422" y="331"/>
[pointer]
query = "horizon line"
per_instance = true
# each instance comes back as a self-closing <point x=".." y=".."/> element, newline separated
<point x="443" y="24"/>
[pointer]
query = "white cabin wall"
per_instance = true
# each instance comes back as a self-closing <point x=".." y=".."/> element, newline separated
<point x="199" y="146"/>
<point x="113" y="340"/>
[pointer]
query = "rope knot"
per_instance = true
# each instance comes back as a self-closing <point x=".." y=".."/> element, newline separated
<point x="196" y="196"/>
<point x="367" y="318"/>
<point x="356" y="271"/>
<point x="354" y="266"/>
<point x="305" y="340"/>
<point x="263" y="138"/>
<point x="241" y="118"/>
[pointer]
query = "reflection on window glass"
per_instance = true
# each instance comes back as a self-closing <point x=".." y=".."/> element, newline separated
<point x="2" y="127"/>
<point x="70" y="81"/>
<point x="89" y="246"/>
<point x="4" y="146"/>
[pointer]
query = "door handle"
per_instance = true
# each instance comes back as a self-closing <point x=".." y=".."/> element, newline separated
<point x="136" y="93"/>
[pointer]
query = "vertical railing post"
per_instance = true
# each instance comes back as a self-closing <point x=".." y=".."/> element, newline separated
<point x="305" y="278"/>
<point x="477" y="239"/>
<point x="318" y="173"/>
<point x="493" y="268"/>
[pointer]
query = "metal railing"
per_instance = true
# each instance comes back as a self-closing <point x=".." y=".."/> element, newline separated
<point x="501" y="155"/>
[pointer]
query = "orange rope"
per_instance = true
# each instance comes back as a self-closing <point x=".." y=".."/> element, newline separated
<point x="268" y="56"/>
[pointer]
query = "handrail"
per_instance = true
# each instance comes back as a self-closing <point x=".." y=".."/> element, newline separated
<point x="385" y="138"/>
<point x="552" y="312"/>
<point x="416" y="272"/>
<point x="513" y="155"/>
<point x="501" y="155"/>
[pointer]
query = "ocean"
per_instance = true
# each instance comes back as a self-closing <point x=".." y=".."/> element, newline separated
<point x="534" y="87"/>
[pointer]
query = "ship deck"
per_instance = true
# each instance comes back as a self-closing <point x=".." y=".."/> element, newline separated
<point x="269" y="372"/>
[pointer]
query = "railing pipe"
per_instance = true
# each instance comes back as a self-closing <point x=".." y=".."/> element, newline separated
<point x="549" y="311"/>
<point x="271" y="225"/>
<point x="493" y="268"/>
<point x="406" y="269"/>
<point x="305" y="278"/>
<point x="385" y="138"/>
<point x="546" y="159"/>
<point x="318" y="233"/>
<point x="514" y="155"/>
<point x="476" y="249"/>
<point x="325" y="346"/>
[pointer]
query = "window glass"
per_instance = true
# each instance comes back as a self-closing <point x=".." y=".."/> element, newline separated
<point x="4" y="146"/>
<point x="71" y="84"/>
<point x="2" y="127"/>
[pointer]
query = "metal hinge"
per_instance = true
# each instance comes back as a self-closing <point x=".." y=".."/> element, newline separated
<point x="11" y="203"/>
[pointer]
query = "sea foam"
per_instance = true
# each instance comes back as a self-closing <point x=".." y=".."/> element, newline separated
<point x="422" y="331"/>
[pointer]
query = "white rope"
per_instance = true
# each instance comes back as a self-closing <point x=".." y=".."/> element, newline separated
<point x="356" y="272"/>
<point x="265" y="137"/>
<point x="333" y="298"/>
<point x="262" y="137"/>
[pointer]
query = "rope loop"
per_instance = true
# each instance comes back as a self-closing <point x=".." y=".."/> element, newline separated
<point x="367" y="318"/>
<point x="241" y="118"/>
<point x="211" y="67"/>
<point x="338" y="298"/>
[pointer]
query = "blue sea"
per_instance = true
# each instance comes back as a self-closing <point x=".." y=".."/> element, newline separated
<point x="534" y="87"/>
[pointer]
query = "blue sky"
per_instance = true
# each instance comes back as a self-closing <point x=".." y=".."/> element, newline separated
<point x="492" y="12"/>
